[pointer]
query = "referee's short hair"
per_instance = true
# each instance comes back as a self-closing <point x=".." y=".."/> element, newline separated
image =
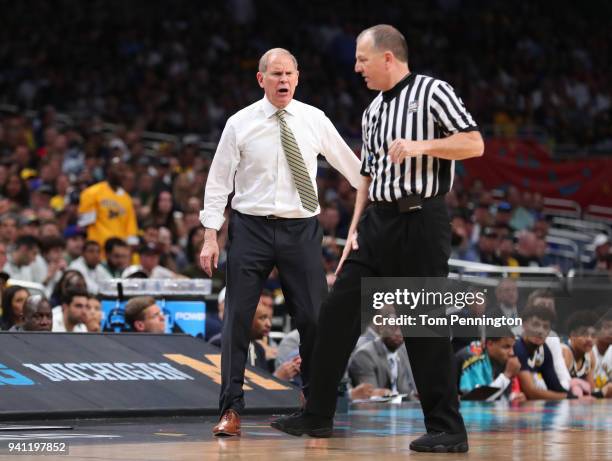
<point x="388" y="38"/>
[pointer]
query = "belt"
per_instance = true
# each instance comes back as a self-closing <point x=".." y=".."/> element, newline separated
<point x="271" y="217"/>
<point x="407" y="204"/>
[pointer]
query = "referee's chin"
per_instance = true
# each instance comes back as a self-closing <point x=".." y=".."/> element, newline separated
<point x="371" y="86"/>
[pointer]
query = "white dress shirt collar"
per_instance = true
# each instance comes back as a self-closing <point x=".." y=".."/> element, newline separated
<point x="270" y="109"/>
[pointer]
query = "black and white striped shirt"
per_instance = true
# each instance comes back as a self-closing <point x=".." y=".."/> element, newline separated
<point x="417" y="108"/>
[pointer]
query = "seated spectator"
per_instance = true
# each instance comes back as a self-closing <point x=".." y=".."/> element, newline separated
<point x="522" y="217"/>
<point x="601" y="246"/>
<point x="13" y="300"/>
<point x="149" y="264"/>
<point x="75" y="240"/>
<point x="537" y="376"/>
<point x="90" y="267"/>
<point x="260" y="329"/>
<point x="118" y="255"/>
<point x="195" y="240"/>
<point x="20" y="264"/>
<point x="527" y="249"/>
<point x="507" y="295"/>
<point x="372" y="331"/>
<point x="487" y="246"/>
<point x="269" y="345"/>
<point x="143" y="315"/>
<point x="37" y="315"/>
<point x="505" y="250"/>
<point x="8" y="228"/>
<point x="503" y="214"/>
<point x="94" y="314"/>
<point x="384" y="364"/>
<point x="546" y="298"/>
<point x="214" y="322"/>
<point x="603" y="356"/>
<point x="578" y="353"/>
<point x="493" y="365"/>
<point x="70" y="316"/>
<point x="70" y="280"/>
<point x="52" y="249"/>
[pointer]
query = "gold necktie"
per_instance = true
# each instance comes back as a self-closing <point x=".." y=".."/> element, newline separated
<point x="301" y="178"/>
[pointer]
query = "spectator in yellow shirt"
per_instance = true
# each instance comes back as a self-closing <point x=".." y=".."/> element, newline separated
<point x="106" y="210"/>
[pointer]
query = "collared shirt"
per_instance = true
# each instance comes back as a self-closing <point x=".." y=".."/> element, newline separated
<point x="250" y="160"/>
<point x="417" y="108"/>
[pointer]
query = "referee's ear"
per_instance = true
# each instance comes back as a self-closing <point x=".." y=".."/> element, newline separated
<point x="389" y="58"/>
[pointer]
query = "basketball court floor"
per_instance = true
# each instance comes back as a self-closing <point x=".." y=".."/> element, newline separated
<point x="568" y="430"/>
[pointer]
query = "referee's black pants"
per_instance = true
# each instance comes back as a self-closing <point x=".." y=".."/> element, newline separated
<point x="256" y="245"/>
<point x="391" y="244"/>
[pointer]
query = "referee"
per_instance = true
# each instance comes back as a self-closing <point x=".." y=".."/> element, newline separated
<point x="413" y="131"/>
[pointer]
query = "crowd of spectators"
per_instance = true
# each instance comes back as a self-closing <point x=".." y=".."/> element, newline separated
<point x="185" y="71"/>
<point x="187" y="67"/>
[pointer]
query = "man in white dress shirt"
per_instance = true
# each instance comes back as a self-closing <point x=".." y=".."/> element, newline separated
<point x="267" y="155"/>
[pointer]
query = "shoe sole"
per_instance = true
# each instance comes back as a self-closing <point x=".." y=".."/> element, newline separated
<point x="226" y="434"/>
<point x="318" y="433"/>
<point x="458" y="448"/>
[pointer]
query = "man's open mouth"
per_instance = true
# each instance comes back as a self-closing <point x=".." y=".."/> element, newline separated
<point x="283" y="90"/>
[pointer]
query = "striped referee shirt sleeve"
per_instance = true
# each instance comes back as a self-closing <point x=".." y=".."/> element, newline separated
<point x="449" y="111"/>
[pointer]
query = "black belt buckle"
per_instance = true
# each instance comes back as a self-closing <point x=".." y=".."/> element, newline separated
<point x="410" y="204"/>
<point x="271" y="217"/>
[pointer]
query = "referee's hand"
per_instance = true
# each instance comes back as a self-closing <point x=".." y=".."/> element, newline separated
<point x="351" y="244"/>
<point x="209" y="256"/>
<point x="402" y="148"/>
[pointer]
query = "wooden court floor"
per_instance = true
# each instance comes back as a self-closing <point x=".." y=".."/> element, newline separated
<point x="568" y="430"/>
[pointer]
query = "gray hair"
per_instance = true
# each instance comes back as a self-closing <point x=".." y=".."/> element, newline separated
<point x="387" y="38"/>
<point x="263" y="61"/>
<point x="32" y="304"/>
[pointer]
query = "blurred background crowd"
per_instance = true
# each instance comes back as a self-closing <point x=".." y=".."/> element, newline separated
<point x="138" y="93"/>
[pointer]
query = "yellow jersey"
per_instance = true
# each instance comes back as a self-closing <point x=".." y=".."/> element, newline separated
<point x="107" y="213"/>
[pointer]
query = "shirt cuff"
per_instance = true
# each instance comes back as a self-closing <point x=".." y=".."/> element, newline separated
<point x="211" y="222"/>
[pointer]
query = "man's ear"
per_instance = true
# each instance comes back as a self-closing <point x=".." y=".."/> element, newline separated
<point x="260" y="77"/>
<point x="139" y="325"/>
<point x="389" y="58"/>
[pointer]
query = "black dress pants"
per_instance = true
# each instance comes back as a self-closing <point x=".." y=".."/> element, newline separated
<point x="256" y="245"/>
<point x="391" y="244"/>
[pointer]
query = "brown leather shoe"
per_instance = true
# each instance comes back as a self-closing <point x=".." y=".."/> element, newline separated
<point x="228" y="425"/>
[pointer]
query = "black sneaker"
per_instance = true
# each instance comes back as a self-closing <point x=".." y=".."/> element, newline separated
<point x="440" y="442"/>
<point x="304" y="423"/>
